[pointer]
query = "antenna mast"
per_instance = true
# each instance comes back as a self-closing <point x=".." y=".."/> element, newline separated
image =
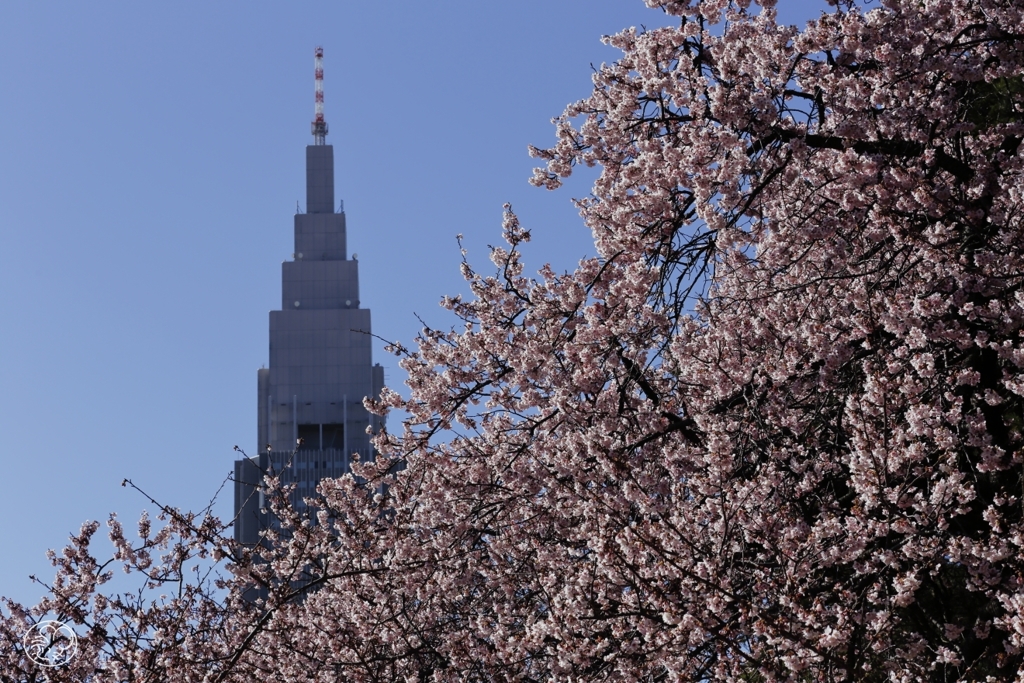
<point x="319" y="125"/>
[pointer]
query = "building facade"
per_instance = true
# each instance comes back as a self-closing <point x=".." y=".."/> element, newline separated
<point x="311" y="418"/>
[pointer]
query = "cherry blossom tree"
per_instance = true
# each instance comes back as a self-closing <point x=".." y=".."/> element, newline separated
<point x="771" y="432"/>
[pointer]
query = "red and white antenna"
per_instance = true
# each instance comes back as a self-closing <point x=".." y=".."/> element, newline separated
<point x="319" y="125"/>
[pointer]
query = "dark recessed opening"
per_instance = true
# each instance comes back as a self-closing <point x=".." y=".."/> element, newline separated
<point x="333" y="436"/>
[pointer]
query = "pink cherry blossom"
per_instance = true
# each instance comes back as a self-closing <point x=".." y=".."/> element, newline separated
<point x="772" y="431"/>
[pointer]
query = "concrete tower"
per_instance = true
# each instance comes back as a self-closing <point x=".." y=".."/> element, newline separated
<point x="310" y="397"/>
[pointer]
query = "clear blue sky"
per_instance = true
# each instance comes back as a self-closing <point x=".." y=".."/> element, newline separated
<point x="150" y="161"/>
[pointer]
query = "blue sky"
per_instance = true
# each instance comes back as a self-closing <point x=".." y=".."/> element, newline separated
<point x="150" y="161"/>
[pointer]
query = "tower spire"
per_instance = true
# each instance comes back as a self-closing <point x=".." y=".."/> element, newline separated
<point x="319" y="125"/>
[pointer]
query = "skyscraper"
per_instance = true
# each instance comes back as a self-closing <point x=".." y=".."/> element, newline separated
<point x="310" y="397"/>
